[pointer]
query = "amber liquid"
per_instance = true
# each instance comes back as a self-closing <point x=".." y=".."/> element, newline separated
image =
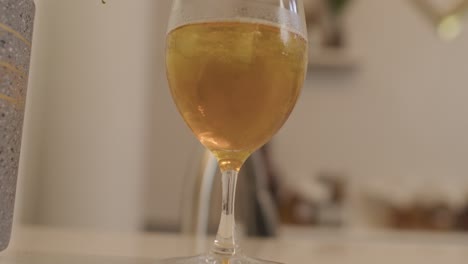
<point x="235" y="83"/>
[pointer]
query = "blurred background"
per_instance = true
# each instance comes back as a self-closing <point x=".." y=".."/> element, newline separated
<point x="378" y="140"/>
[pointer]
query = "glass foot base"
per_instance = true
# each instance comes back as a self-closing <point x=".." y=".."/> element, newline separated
<point x="216" y="259"/>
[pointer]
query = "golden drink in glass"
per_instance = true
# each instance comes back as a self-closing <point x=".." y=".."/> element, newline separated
<point x="235" y="83"/>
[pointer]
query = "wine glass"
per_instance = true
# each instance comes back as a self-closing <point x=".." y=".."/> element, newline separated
<point x="235" y="69"/>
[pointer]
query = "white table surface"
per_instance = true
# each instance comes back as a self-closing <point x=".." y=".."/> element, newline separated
<point x="39" y="245"/>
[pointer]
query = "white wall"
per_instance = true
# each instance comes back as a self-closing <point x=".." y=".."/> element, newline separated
<point x="400" y="117"/>
<point x="88" y="115"/>
<point x="104" y="146"/>
<point x="99" y="70"/>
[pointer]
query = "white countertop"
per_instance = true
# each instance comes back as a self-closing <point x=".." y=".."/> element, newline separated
<point x="39" y="245"/>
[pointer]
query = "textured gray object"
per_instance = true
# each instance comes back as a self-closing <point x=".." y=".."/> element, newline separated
<point x="16" y="26"/>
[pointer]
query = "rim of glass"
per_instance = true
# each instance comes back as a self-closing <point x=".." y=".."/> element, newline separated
<point x="250" y="11"/>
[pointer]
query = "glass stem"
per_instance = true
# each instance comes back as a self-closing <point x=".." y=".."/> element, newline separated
<point x="225" y="242"/>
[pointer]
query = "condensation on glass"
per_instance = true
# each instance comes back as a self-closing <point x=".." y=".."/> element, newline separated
<point x="16" y="26"/>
